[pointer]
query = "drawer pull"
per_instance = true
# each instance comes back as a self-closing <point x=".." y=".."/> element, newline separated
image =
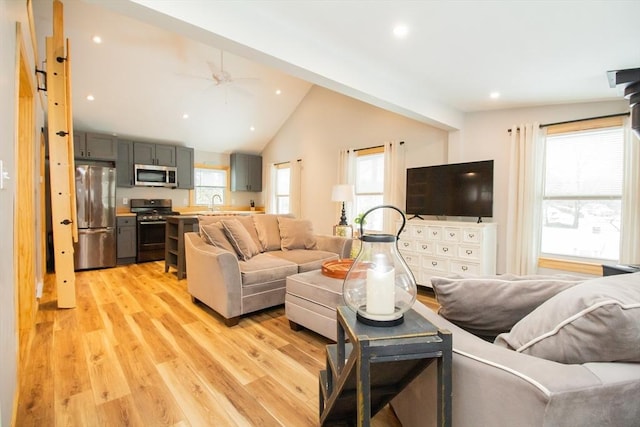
<point x="465" y="268"/>
<point x="425" y="246"/>
<point x="445" y="250"/>
<point x="419" y="231"/>
<point x="406" y="244"/>
<point x="452" y="234"/>
<point x="471" y="235"/>
<point x="434" y="263"/>
<point x="435" y="233"/>
<point x="469" y="251"/>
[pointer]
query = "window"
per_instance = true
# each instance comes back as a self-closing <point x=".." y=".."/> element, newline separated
<point x="210" y="185"/>
<point x="369" y="186"/>
<point x="283" y="188"/>
<point x="582" y="198"/>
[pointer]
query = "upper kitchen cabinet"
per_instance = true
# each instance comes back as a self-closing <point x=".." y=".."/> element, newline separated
<point x="146" y="153"/>
<point x="246" y="172"/>
<point x="94" y="146"/>
<point x="124" y="164"/>
<point x="184" y="160"/>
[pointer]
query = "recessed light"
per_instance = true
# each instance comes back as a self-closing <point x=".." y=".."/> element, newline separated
<point x="400" y="31"/>
<point x="278" y="91"/>
<point x="494" y="95"/>
<point x="97" y="39"/>
<point x="90" y="97"/>
<point x="185" y="116"/>
<point x="251" y="128"/>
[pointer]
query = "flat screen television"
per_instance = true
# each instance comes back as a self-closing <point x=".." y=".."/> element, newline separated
<point x="460" y="189"/>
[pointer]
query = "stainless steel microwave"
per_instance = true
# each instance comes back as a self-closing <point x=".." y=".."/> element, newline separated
<point x="154" y="176"/>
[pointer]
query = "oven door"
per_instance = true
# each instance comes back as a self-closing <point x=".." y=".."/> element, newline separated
<point x="150" y="240"/>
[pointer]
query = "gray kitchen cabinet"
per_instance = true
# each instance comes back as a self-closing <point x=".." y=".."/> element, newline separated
<point x="95" y="146"/>
<point x="126" y="239"/>
<point x="124" y="164"/>
<point x="246" y="172"/>
<point x="147" y="153"/>
<point x="184" y="160"/>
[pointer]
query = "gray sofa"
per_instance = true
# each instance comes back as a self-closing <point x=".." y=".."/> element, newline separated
<point x="495" y="385"/>
<point x="239" y="264"/>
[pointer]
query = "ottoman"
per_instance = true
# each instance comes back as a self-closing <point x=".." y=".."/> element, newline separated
<point x="310" y="301"/>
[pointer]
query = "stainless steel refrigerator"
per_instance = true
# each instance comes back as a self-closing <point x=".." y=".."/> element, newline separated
<point x="96" y="204"/>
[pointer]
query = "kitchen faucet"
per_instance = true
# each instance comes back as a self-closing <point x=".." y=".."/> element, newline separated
<point x="213" y="201"/>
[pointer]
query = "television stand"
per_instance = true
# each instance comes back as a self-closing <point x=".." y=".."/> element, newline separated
<point x="416" y="216"/>
<point x="479" y="220"/>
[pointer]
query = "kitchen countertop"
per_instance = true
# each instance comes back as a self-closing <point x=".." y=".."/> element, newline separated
<point x="125" y="214"/>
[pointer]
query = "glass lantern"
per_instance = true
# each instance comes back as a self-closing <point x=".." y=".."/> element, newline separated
<point x="379" y="286"/>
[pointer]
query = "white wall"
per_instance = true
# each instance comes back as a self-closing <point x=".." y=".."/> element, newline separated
<point x="485" y="137"/>
<point x="325" y="122"/>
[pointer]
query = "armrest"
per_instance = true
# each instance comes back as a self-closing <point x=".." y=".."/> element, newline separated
<point x="213" y="276"/>
<point x="336" y="244"/>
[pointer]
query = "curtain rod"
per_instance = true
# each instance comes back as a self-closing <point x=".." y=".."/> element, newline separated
<point x="544" y="125"/>
<point x="355" y="150"/>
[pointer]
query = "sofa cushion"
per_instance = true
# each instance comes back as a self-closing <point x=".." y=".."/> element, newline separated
<point x="264" y="268"/>
<point x="214" y="234"/>
<point x="296" y="234"/>
<point x="488" y="306"/>
<point x="268" y="231"/>
<point x="306" y="260"/>
<point x="240" y="239"/>
<point x="596" y="321"/>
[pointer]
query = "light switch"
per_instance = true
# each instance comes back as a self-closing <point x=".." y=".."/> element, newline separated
<point x="3" y="175"/>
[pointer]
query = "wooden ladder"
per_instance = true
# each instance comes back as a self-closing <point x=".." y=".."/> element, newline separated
<point x="61" y="163"/>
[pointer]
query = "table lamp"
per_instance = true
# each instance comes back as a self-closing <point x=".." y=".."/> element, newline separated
<point x="342" y="193"/>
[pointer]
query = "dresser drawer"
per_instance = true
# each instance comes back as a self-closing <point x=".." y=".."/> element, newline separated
<point x="469" y="252"/>
<point x="463" y="268"/>
<point x="472" y="236"/>
<point x="435" y="264"/>
<point x="443" y="249"/>
<point x="451" y="234"/>
<point x="424" y="247"/>
<point x="406" y="245"/>
<point x="434" y="233"/>
<point x="411" y="259"/>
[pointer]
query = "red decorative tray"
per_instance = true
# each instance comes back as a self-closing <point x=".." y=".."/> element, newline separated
<point x="337" y="269"/>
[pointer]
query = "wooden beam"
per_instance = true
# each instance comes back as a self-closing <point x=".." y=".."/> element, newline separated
<point x="62" y="185"/>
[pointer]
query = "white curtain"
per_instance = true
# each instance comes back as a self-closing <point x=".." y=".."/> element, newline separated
<point x="269" y="190"/>
<point x="630" y="227"/>
<point x="295" y="192"/>
<point x="346" y="175"/>
<point x="394" y="183"/>
<point x="524" y="198"/>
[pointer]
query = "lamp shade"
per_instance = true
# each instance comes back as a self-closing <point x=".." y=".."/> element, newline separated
<point x="342" y="193"/>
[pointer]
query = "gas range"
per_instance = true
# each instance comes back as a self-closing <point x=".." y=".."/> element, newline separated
<point x="152" y="209"/>
<point x="151" y="215"/>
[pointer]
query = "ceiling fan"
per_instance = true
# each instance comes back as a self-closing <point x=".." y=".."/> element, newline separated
<point x="223" y="77"/>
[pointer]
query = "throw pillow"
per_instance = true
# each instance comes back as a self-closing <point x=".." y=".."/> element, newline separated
<point x="240" y="239"/>
<point x="296" y="234"/>
<point x="247" y="221"/>
<point x="488" y="306"/>
<point x="213" y="234"/>
<point x="268" y="231"/>
<point x="596" y="321"/>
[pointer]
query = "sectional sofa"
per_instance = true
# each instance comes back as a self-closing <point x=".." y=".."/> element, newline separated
<point x="239" y="264"/>
<point x="570" y="359"/>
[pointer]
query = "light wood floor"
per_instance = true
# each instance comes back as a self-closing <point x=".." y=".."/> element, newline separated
<point x="136" y="351"/>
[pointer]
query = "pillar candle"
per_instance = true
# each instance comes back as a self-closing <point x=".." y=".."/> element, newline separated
<point x="380" y="291"/>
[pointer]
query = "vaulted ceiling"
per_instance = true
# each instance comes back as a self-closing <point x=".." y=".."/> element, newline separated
<point x="221" y="62"/>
